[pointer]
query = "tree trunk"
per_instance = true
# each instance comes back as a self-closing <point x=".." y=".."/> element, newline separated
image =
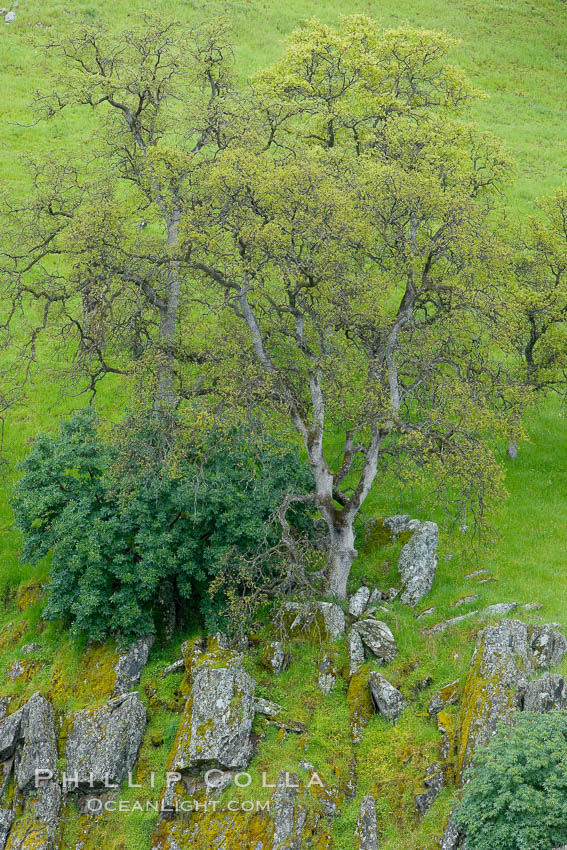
<point x="166" y="395"/>
<point x="341" y="556"/>
<point x="513" y="446"/>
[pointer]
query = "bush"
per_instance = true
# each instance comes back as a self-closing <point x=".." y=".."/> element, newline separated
<point x="124" y="529"/>
<point x="516" y="796"/>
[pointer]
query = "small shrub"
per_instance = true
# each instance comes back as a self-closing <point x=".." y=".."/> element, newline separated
<point x="124" y="528"/>
<point x="516" y="796"/>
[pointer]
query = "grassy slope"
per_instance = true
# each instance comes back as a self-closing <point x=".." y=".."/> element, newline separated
<point x="515" y="53"/>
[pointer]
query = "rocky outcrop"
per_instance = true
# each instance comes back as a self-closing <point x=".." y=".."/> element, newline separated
<point x="102" y="743"/>
<point x="434" y="783"/>
<point x="315" y="621"/>
<point x="39" y="751"/>
<point x="504" y="658"/>
<point x="288" y="814"/>
<point x="216" y="725"/>
<point x="549" y="693"/>
<point x="367" y="825"/>
<point x="130" y="665"/>
<point x="378" y="640"/>
<point x="30" y="737"/>
<point x="418" y="562"/>
<point x="386" y="698"/>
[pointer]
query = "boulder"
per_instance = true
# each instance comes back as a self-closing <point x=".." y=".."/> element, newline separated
<point x="39" y="751"/>
<point x="367" y="825"/>
<point x="434" y="783"/>
<point x="130" y="665"/>
<point x="505" y="656"/>
<point x="355" y="652"/>
<point x="548" y="693"/>
<point x="9" y="17"/>
<point x="316" y="621"/>
<point x="275" y="658"/>
<point x="102" y="743"/>
<point x="216" y="725"/>
<point x="358" y="601"/>
<point x="418" y="562"/>
<point x="386" y="698"/>
<point x="378" y="639"/>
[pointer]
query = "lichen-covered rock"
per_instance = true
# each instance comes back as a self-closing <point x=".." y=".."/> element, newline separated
<point x="359" y="702"/>
<point x="288" y="814"/>
<point x="10" y="733"/>
<point x="358" y="601"/>
<point x="500" y="609"/>
<point x="505" y="656"/>
<point x="466" y="600"/>
<point x="386" y="698"/>
<point x="548" y="646"/>
<point x="23" y="669"/>
<point x="417" y="563"/>
<point x="216" y="725"/>
<point x="400" y="523"/>
<point x="130" y="665"/>
<point x="549" y="693"/>
<point x="367" y="825"/>
<point x="355" y="652"/>
<point x="266" y="707"/>
<point x="315" y="621"/>
<point x="39" y="751"/>
<point x="275" y="658"/>
<point x="447" y="695"/>
<point x="102" y="743"/>
<point x="328" y="674"/>
<point x="378" y="639"/>
<point x="434" y="783"/>
<point x="6" y="821"/>
<point x="452" y="838"/>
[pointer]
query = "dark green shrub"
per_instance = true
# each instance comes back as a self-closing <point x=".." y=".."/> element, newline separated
<point x="121" y="525"/>
<point x="516" y="796"/>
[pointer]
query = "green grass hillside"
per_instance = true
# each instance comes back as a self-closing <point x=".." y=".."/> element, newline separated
<point x="516" y="52"/>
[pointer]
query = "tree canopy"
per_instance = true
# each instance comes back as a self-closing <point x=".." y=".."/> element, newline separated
<point x="320" y="248"/>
